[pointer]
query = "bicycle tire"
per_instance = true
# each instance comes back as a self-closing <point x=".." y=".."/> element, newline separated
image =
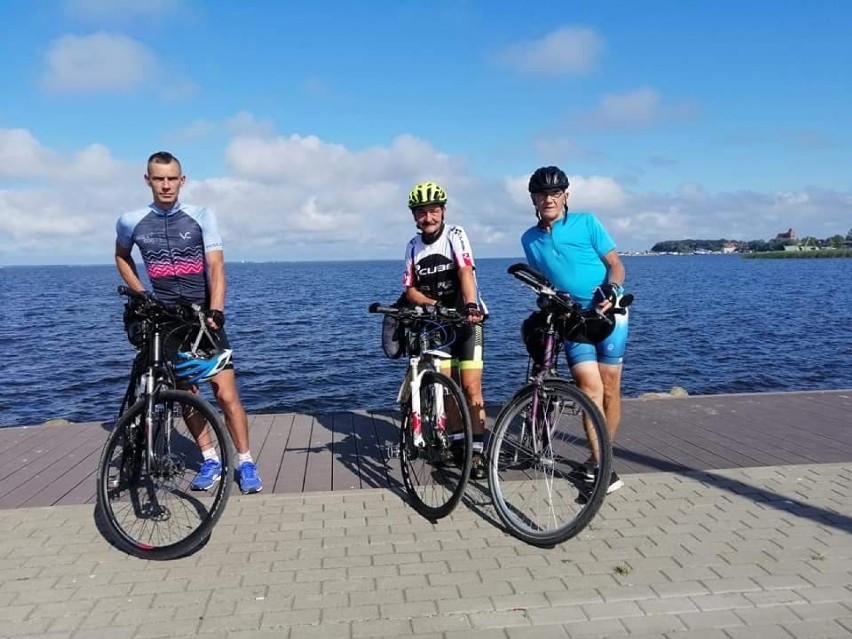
<point x="545" y="499"/>
<point x="151" y="512"/>
<point x="435" y="474"/>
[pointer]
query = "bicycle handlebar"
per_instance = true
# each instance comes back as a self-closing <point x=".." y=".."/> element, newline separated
<point x="150" y="304"/>
<point x="433" y="312"/>
<point x="542" y="286"/>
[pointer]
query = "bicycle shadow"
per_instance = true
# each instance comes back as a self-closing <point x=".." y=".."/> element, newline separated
<point x="358" y="442"/>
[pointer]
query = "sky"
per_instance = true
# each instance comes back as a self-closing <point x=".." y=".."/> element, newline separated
<point x="304" y="125"/>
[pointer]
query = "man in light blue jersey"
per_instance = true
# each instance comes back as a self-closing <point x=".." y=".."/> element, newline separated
<point x="182" y="252"/>
<point x="574" y="251"/>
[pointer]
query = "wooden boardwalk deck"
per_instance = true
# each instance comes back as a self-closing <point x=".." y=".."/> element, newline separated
<point x="47" y="465"/>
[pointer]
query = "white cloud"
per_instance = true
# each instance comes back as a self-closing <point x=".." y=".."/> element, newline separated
<point x="564" y="52"/>
<point x="301" y="197"/>
<point x="23" y="157"/>
<point x="311" y="161"/>
<point x="97" y="63"/>
<point x="593" y="193"/>
<point x="635" y="110"/>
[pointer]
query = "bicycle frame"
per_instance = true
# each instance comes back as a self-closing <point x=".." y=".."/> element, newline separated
<point x="149" y="375"/>
<point x="409" y="390"/>
<point x="547" y="369"/>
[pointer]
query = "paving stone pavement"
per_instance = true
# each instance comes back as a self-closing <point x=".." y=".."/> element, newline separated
<point x="761" y="552"/>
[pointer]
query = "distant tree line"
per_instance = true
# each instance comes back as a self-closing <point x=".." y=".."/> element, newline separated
<point x="690" y="246"/>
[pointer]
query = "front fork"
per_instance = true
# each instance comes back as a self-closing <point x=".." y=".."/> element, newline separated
<point x="155" y="421"/>
<point x="410" y="392"/>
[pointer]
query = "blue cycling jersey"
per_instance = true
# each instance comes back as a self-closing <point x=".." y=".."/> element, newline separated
<point x="571" y="254"/>
<point x="173" y="244"/>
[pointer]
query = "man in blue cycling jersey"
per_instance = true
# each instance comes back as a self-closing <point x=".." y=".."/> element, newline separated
<point x="578" y="256"/>
<point x="182" y="251"/>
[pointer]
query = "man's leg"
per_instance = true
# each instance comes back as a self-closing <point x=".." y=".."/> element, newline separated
<point x="225" y="389"/>
<point x="470" y="358"/>
<point x="611" y="378"/>
<point x="588" y="378"/>
<point x="471" y="383"/>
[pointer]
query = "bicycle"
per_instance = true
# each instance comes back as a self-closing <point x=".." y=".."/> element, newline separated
<point x="436" y="437"/>
<point x="152" y="454"/>
<point x="542" y="437"/>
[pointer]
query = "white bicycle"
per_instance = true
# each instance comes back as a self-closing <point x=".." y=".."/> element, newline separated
<point x="436" y="438"/>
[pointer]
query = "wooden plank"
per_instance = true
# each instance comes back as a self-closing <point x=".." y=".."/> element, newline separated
<point x="372" y="464"/>
<point x="11" y="437"/>
<point x="270" y="456"/>
<point x="85" y="472"/>
<point x="345" y="468"/>
<point x="386" y="426"/>
<point x="46" y="465"/>
<point x="320" y="457"/>
<point x="49" y="465"/>
<point x="291" y="476"/>
<point x="82" y="493"/>
<point x="719" y="424"/>
<point x="45" y="441"/>
<point x="258" y="428"/>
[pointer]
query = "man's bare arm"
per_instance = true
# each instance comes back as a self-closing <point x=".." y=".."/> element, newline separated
<point x="216" y="279"/>
<point x="416" y="297"/>
<point x="615" y="268"/>
<point x="127" y="268"/>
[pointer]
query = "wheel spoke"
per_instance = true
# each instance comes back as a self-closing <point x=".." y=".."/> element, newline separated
<point x="153" y="512"/>
<point x="541" y="497"/>
<point x="433" y="476"/>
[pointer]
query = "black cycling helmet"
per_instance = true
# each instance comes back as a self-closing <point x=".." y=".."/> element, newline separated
<point x="546" y="178"/>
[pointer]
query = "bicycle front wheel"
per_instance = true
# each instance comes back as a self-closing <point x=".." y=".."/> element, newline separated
<point x="436" y="447"/>
<point x="538" y="481"/>
<point x="148" y="503"/>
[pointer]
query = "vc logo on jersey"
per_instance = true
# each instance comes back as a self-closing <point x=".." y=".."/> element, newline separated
<point x="185" y="236"/>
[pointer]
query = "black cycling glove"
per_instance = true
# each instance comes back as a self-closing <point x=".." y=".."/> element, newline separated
<point x="611" y="292"/>
<point x="217" y="316"/>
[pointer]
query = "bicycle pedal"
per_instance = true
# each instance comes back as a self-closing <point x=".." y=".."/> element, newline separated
<point x="392" y="451"/>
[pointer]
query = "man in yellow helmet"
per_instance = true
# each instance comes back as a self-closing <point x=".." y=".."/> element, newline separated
<point x="439" y="269"/>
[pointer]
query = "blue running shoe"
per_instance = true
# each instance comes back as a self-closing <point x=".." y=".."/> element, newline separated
<point x="210" y="473"/>
<point x="248" y="478"/>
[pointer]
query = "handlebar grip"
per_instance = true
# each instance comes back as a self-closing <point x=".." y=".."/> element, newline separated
<point x="129" y="292"/>
<point x="528" y="274"/>
<point x="375" y="307"/>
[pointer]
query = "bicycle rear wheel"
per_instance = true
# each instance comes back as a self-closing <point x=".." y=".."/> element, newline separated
<point x="535" y="464"/>
<point x="435" y="471"/>
<point x="147" y="504"/>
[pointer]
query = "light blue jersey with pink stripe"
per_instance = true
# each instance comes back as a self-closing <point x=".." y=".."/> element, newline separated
<point x="173" y="244"/>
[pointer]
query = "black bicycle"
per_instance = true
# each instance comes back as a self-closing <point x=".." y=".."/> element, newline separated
<point x="540" y="485"/>
<point x="153" y="453"/>
<point x="436" y="437"/>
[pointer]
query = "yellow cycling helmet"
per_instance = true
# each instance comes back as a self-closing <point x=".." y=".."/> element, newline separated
<point x="426" y="193"/>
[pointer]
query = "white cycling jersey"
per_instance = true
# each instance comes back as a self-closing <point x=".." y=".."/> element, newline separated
<point x="432" y="267"/>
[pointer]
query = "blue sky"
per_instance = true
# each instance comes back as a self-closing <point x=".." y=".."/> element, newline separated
<point x="304" y="125"/>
